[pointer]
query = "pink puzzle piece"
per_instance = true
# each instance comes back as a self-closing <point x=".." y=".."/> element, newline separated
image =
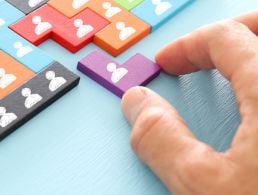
<point x="137" y="71"/>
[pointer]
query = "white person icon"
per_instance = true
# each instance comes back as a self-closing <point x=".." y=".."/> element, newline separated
<point x="125" y="32"/>
<point x="6" y="79"/>
<point x="2" y="22"/>
<point x="77" y="4"/>
<point x="161" y="7"/>
<point x="55" y="82"/>
<point x="117" y="73"/>
<point x="21" y="50"/>
<point x="6" y="118"/>
<point x="41" y="27"/>
<point x="82" y="29"/>
<point x="34" y="3"/>
<point x="31" y="99"/>
<point x="110" y="11"/>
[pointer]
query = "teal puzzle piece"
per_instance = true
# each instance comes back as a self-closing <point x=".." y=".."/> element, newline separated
<point x="23" y="51"/>
<point x="157" y="12"/>
<point x="8" y="14"/>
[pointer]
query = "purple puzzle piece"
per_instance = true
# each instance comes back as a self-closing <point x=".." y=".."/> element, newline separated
<point x="138" y="70"/>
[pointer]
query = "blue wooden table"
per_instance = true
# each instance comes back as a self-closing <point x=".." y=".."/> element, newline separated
<point x="80" y="144"/>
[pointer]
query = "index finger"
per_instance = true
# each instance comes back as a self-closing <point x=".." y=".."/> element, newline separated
<point x="192" y="52"/>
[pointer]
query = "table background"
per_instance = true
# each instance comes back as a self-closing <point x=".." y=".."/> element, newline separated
<point x="80" y="144"/>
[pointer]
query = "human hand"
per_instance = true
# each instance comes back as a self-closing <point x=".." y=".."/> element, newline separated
<point x="160" y="136"/>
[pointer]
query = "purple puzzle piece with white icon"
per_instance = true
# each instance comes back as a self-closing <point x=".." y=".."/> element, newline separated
<point x="136" y="71"/>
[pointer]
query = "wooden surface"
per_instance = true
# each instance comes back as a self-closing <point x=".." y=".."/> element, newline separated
<point x="80" y="144"/>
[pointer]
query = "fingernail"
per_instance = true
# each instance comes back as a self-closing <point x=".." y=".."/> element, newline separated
<point x="132" y="102"/>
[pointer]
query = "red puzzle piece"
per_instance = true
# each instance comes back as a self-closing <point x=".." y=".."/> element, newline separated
<point x="39" y="25"/>
<point x="79" y="30"/>
<point x="72" y="33"/>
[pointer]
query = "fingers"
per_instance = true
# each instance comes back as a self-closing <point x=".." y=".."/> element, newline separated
<point x="232" y="48"/>
<point x="220" y="46"/>
<point x="161" y="138"/>
<point x="192" y="52"/>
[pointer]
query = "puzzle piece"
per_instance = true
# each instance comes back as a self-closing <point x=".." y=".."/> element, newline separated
<point x="69" y="7"/>
<point x="120" y="35"/>
<point x="28" y="5"/>
<point x="8" y="14"/>
<point x="129" y="4"/>
<point x="138" y="70"/>
<point x="157" y="12"/>
<point x="39" y="25"/>
<point x="24" y="52"/>
<point x="12" y="74"/>
<point x="72" y="33"/>
<point x="79" y="30"/>
<point x="34" y="96"/>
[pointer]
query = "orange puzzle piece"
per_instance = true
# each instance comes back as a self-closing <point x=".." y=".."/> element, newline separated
<point x="122" y="33"/>
<point x="69" y="7"/>
<point x="12" y="74"/>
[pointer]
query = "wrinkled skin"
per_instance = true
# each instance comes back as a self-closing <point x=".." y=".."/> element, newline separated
<point x="161" y="138"/>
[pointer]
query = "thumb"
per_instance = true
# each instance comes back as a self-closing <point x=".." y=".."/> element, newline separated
<point x="162" y="140"/>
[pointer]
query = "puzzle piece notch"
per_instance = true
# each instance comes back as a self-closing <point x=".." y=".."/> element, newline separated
<point x="34" y="96"/>
<point x="117" y="78"/>
<point x="27" y="6"/>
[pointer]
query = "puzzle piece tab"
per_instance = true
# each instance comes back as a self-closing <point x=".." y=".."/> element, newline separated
<point x="8" y="14"/>
<point x="24" y="52"/>
<point x="157" y="12"/>
<point x="34" y="96"/>
<point x="28" y="5"/>
<point x="117" y="78"/>
<point x="12" y="74"/>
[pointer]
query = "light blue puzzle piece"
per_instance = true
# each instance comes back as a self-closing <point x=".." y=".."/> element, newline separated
<point x="23" y="51"/>
<point x="9" y="14"/>
<point x="157" y="12"/>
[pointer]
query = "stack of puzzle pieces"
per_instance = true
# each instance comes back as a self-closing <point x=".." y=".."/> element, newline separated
<point x="30" y="79"/>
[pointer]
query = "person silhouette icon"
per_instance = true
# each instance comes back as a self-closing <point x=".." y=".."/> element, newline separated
<point x="161" y="7"/>
<point x="55" y="82"/>
<point x="21" y="50"/>
<point x="83" y="29"/>
<point x="6" y="79"/>
<point x="117" y="73"/>
<point x="77" y="4"/>
<point x="41" y="27"/>
<point x="2" y="22"/>
<point x="31" y="99"/>
<point x="125" y="32"/>
<point x="110" y="11"/>
<point x="6" y="118"/>
<point x="34" y="3"/>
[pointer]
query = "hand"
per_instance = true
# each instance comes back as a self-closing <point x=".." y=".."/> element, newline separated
<point x="161" y="138"/>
